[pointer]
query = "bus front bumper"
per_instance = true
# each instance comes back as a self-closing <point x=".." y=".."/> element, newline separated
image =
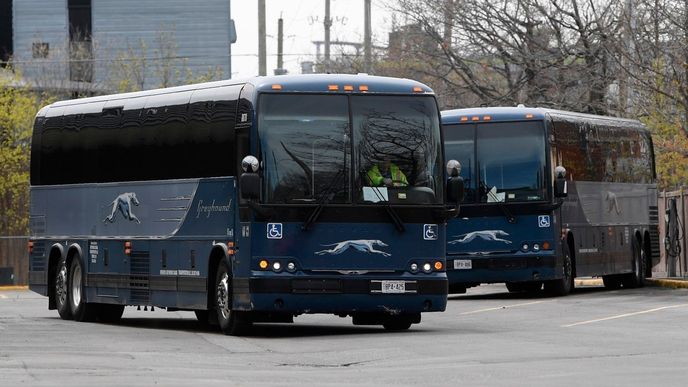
<point x="342" y="296"/>
<point x="474" y="270"/>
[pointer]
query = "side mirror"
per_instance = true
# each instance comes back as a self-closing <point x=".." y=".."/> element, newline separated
<point x="455" y="188"/>
<point x="560" y="184"/>
<point x="249" y="181"/>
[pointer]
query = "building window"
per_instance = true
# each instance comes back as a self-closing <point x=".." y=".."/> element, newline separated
<point x="40" y="50"/>
<point x="80" y="42"/>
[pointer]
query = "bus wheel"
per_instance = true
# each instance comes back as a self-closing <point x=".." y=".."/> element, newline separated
<point x="400" y="323"/>
<point x="78" y="306"/>
<point x="563" y="286"/>
<point x="231" y="322"/>
<point x="61" y="290"/>
<point x="637" y="278"/>
<point x="108" y="313"/>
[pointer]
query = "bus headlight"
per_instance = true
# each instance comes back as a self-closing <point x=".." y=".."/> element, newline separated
<point x="525" y="247"/>
<point x="427" y="267"/>
<point x="291" y="266"/>
<point x="536" y="247"/>
<point x="276" y="266"/>
<point x="414" y="267"/>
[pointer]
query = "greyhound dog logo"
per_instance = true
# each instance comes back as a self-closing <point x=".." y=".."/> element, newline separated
<point x="362" y="245"/>
<point x="612" y="202"/>
<point x="488" y="235"/>
<point x="123" y="203"/>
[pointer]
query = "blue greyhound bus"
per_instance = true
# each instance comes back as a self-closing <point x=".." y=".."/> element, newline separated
<point x="518" y="223"/>
<point x="244" y="201"/>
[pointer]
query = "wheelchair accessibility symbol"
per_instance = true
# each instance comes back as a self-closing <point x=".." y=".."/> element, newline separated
<point x="543" y="220"/>
<point x="274" y="231"/>
<point x="430" y="232"/>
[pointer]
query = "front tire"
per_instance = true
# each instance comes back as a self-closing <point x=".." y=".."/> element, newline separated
<point x="232" y="322"/>
<point x="563" y="286"/>
<point x="62" y="290"/>
<point x="81" y="311"/>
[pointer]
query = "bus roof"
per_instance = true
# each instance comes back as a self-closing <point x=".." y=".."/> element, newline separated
<point x="520" y="113"/>
<point x="307" y="83"/>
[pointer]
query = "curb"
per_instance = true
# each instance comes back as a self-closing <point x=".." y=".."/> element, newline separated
<point x="667" y="283"/>
<point x="589" y="282"/>
<point x="6" y="288"/>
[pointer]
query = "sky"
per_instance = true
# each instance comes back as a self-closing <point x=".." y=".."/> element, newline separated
<point x="303" y="23"/>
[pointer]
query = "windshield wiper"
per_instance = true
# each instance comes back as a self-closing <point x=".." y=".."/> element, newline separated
<point x="491" y="193"/>
<point x="327" y="195"/>
<point x="398" y="223"/>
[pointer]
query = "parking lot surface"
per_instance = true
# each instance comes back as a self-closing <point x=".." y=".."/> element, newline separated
<point x="486" y="337"/>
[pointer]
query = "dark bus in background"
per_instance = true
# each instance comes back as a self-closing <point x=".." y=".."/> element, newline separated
<point x="244" y="201"/>
<point x="550" y="195"/>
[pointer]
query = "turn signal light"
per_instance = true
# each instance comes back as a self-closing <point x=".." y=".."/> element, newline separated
<point x="438" y="265"/>
<point x="545" y="245"/>
<point x="263" y="264"/>
<point x="127" y="248"/>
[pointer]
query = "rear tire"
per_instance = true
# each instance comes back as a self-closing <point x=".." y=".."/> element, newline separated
<point x="62" y="290"/>
<point x="637" y="278"/>
<point x="232" y="322"/>
<point x="563" y="286"/>
<point x="81" y="311"/>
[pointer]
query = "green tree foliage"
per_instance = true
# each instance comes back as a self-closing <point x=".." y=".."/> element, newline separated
<point x="18" y="107"/>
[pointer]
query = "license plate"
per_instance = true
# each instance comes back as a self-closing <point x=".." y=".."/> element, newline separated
<point x="463" y="264"/>
<point x="393" y="287"/>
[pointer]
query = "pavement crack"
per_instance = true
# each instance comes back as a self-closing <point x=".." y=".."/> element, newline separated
<point x="313" y="365"/>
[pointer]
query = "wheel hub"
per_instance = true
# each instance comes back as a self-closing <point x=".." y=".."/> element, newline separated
<point x="76" y="286"/>
<point x="61" y="285"/>
<point x="223" y="296"/>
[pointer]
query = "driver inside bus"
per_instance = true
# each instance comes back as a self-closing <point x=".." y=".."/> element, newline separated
<point x="387" y="174"/>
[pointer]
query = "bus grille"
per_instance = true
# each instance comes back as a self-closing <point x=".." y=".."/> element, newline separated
<point x="139" y="281"/>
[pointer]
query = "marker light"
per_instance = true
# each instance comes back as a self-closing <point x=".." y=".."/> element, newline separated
<point x="263" y="264"/>
<point x="417" y="89"/>
<point x="438" y="265"/>
<point x="291" y="266"/>
<point x="487" y="118"/>
<point x="414" y="267"/>
<point x="276" y="87"/>
<point x="475" y="118"/>
<point x="427" y="267"/>
<point x="464" y="119"/>
<point x="545" y="246"/>
<point x="362" y="88"/>
<point x="529" y="115"/>
<point x="332" y="87"/>
<point x="276" y="266"/>
<point x="348" y="88"/>
<point x="127" y="248"/>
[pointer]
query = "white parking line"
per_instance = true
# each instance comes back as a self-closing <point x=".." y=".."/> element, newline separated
<point x="623" y="315"/>
<point x="502" y="307"/>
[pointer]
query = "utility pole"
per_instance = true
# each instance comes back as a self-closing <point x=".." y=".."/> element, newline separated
<point x="280" y="39"/>
<point x="367" y="54"/>
<point x="262" y="53"/>
<point x="328" y="24"/>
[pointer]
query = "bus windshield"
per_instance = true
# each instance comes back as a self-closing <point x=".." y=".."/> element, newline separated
<point x="306" y="148"/>
<point x="508" y="160"/>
